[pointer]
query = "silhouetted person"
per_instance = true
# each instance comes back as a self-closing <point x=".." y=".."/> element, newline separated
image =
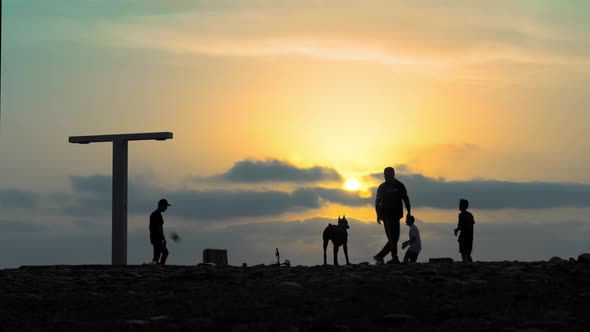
<point x="465" y="226"/>
<point x="157" y="233"/>
<point x="391" y="195"/>
<point x="414" y="243"/>
<point x="339" y="236"/>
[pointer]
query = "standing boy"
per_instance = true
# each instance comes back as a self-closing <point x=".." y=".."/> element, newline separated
<point x="157" y="233"/>
<point x="414" y="243"/>
<point x="465" y="226"/>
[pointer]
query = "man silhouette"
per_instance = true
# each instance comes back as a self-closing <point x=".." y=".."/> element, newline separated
<point x="157" y="233"/>
<point x="389" y="200"/>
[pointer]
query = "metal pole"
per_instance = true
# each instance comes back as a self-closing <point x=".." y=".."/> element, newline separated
<point x="119" y="245"/>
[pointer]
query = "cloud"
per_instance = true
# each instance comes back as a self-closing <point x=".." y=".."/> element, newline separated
<point x="91" y="196"/>
<point x="391" y="34"/>
<point x="492" y="194"/>
<point x="16" y="198"/>
<point x="100" y="185"/>
<point x="343" y="197"/>
<point x="254" y="171"/>
<point x="19" y="226"/>
<point x="218" y="205"/>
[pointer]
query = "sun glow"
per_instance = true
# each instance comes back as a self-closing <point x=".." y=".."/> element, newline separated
<point x="352" y="184"/>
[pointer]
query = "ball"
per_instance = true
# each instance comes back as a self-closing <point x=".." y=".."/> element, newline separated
<point x="174" y="236"/>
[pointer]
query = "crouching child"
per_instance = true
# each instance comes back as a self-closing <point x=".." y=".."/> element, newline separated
<point x="414" y="244"/>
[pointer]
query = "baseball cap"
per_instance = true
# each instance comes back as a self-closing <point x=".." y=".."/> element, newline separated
<point x="164" y="202"/>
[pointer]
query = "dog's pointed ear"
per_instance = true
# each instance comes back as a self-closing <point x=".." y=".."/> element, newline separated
<point x="338" y="217"/>
<point x="343" y="216"/>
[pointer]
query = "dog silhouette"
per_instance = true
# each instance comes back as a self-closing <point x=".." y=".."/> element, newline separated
<point x="339" y="237"/>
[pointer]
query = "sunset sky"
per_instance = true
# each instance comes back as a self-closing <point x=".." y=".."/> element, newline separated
<point x="274" y="105"/>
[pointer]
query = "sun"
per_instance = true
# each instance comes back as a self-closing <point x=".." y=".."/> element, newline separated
<point x="352" y="184"/>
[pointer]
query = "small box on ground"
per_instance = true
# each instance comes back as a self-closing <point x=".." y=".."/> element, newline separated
<point x="441" y="260"/>
<point x="215" y="256"/>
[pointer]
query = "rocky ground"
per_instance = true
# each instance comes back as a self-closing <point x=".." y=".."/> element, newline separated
<point x="483" y="296"/>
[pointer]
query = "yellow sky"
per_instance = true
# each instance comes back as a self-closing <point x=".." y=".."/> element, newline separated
<point x="450" y="91"/>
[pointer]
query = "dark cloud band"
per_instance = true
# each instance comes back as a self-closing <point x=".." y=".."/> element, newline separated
<point x="253" y="171"/>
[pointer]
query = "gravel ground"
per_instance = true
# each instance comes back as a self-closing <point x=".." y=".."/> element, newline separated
<point x="483" y="296"/>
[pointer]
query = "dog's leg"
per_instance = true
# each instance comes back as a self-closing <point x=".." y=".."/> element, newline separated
<point x="335" y="254"/>
<point x="325" y="247"/>
<point x="345" y="247"/>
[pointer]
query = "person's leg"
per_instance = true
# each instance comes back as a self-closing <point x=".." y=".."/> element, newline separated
<point x="325" y="246"/>
<point x="387" y="247"/>
<point x="391" y="241"/>
<point x="407" y="257"/>
<point x="463" y="251"/>
<point x="394" y="229"/>
<point x="157" y="253"/>
<point x="164" y="254"/>
<point x="413" y="256"/>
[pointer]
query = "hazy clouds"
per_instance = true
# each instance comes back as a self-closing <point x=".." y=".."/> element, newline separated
<point x="491" y="194"/>
<point x="254" y="171"/>
<point x="91" y="195"/>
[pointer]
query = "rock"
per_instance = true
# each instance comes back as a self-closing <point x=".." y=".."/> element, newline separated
<point x="539" y="296"/>
<point x="397" y="318"/>
<point x="441" y="260"/>
<point x="137" y="322"/>
<point x="477" y="282"/>
<point x="206" y="264"/>
<point x="555" y="259"/>
<point x="291" y="285"/>
<point x="512" y="269"/>
<point x="584" y="258"/>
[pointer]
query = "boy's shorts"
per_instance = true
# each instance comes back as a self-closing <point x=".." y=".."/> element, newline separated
<point x="411" y="256"/>
<point x="465" y="247"/>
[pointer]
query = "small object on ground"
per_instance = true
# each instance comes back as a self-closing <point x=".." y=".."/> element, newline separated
<point x="584" y="258"/>
<point x="206" y="264"/>
<point x="217" y="256"/>
<point x="175" y="237"/>
<point x="278" y="263"/>
<point x="441" y="260"/>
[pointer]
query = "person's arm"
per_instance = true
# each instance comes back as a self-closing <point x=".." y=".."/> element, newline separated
<point x="406" y="200"/>
<point x="162" y="237"/>
<point x="458" y="229"/>
<point x="378" y="199"/>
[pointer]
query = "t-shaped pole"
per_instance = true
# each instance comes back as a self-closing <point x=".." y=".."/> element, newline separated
<point x="119" y="237"/>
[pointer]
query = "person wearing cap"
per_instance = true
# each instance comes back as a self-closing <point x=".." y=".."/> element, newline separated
<point x="157" y="233"/>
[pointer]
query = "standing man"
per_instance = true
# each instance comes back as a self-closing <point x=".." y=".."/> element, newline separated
<point x="389" y="208"/>
<point x="157" y="233"/>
